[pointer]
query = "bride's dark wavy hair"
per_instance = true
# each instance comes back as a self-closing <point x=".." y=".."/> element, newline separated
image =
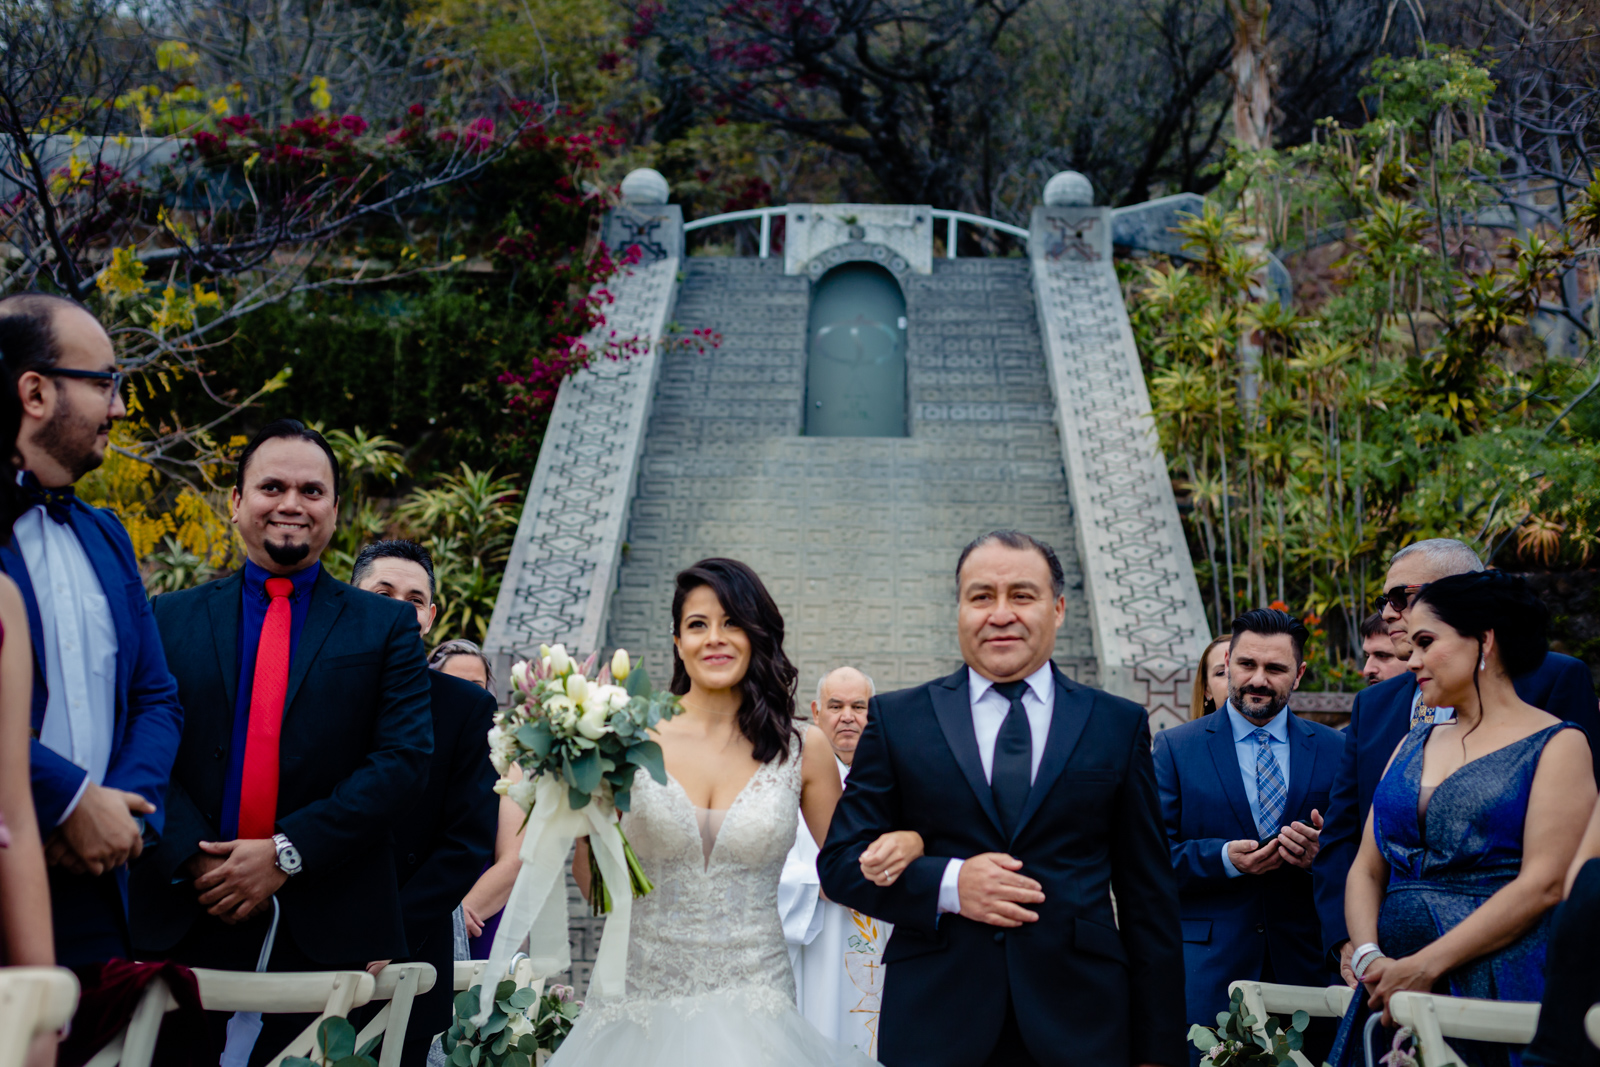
<point x="766" y="714"/>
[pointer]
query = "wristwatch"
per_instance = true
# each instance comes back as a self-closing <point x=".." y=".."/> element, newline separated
<point x="288" y="855"/>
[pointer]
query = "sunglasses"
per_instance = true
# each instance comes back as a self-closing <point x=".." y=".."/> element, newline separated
<point x="1399" y="597"/>
<point x="115" y="377"/>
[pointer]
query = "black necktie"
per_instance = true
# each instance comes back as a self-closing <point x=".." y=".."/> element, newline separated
<point x="57" y="503"/>
<point x="1012" y="774"/>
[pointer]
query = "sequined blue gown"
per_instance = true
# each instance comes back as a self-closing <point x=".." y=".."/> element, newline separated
<point x="1444" y="863"/>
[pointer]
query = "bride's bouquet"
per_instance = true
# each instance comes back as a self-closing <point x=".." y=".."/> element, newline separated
<point x="589" y="734"/>
<point x="579" y="739"/>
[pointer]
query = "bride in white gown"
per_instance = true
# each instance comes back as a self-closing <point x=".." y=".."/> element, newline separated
<point x="709" y="980"/>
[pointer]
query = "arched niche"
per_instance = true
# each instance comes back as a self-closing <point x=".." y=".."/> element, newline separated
<point x="856" y="354"/>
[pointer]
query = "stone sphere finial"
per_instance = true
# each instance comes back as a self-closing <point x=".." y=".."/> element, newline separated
<point x="1068" y="189"/>
<point x="645" y="186"/>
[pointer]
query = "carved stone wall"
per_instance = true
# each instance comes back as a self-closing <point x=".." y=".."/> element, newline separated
<point x="905" y="230"/>
<point x="1149" y="623"/>
<point x="558" y="581"/>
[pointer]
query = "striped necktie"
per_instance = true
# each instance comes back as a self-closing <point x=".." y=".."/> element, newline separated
<point x="1271" y="797"/>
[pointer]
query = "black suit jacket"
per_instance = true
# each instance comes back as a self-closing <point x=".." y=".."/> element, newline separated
<point x="353" y="755"/>
<point x="1380" y="717"/>
<point x="444" y="842"/>
<point x="1088" y="985"/>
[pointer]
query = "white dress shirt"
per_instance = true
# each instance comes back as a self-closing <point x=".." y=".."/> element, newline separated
<point x="989" y="710"/>
<point x="80" y="645"/>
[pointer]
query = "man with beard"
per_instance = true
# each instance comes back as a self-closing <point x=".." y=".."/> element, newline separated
<point x="105" y="710"/>
<point x="1383" y="714"/>
<point x="306" y="737"/>
<point x="1242" y="795"/>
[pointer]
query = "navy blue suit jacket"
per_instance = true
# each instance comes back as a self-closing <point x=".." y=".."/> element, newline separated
<point x="148" y="720"/>
<point x="353" y="757"/>
<point x="1231" y="926"/>
<point x="1085" y="988"/>
<point x="1379" y="719"/>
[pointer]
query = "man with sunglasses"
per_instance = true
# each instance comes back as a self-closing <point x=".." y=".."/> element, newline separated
<point x="105" y="715"/>
<point x="1384" y="713"/>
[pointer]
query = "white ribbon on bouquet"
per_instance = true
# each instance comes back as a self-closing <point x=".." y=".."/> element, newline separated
<point x="537" y="908"/>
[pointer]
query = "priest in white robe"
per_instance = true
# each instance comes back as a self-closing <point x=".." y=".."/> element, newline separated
<point x="837" y="952"/>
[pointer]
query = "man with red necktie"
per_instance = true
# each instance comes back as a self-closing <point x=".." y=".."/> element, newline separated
<point x="307" y="731"/>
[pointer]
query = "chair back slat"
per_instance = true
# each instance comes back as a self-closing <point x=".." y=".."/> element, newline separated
<point x="276" y="992"/>
<point x="33" y="1001"/>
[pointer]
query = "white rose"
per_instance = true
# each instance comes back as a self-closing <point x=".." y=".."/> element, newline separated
<point x="620" y="667"/>
<point x="617" y="697"/>
<point x="518" y="1025"/>
<point x="501" y="748"/>
<point x="560" y="662"/>
<point x="522" y="793"/>
<point x="577" y="686"/>
<point x="592" y="723"/>
<point x="562" y="713"/>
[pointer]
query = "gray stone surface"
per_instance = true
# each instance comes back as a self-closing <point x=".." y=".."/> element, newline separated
<point x="1149" y="623"/>
<point x="571" y="530"/>
<point x="855" y="537"/>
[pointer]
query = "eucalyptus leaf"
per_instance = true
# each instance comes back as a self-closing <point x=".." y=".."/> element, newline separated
<point x="462" y="1056"/>
<point x="1300" y="1020"/>
<point x="536" y="737"/>
<point x="522" y="998"/>
<point x="586" y="772"/>
<point x="1201" y="1038"/>
<point x="577" y="799"/>
<point x="621" y="797"/>
<point x="370" y="1046"/>
<point x="1295" y="1040"/>
<point x="647" y="754"/>
<point x="638" y="683"/>
<point x="1223" y="1017"/>
<point x="337" y="1039"/>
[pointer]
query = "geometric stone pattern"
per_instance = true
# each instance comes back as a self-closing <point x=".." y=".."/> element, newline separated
<point x="565" y="554"/>
<point x="1148" y="621"/>
<point x="856" y="538"/>
<point x="905" y="229"/>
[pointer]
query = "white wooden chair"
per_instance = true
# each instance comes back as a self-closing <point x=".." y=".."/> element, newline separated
<point x="399" y="984"/>
<point x="468" y="973"/>
<point x="1433" y="1018"/>
<point x="33" y="1001"/>
<point x="1591" y="1023"/>
<point x="1316" y="1001"/>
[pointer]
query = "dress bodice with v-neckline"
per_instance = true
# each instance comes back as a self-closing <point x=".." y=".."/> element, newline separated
<point x="712" y="923"/>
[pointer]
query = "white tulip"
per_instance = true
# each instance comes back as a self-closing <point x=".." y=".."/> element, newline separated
<point x="560" y="662"/>
<point x="519" y="676"/>
<point x="544" y="651"/>
<point x="522" y="793"/>
<point x="620" y="667"/>
<point x="577" y="687"/>
<point x="592" y="723"/>
<point x="502" y="785"/>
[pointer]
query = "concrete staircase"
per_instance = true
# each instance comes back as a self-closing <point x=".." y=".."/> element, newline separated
<point x="855" y="537"/>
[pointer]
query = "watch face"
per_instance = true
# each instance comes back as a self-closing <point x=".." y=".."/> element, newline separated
<point x="289" y="858"/>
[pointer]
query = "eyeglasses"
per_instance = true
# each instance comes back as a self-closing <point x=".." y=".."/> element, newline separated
<point x="1399" y="597"/>
<point x="115" y="377"/>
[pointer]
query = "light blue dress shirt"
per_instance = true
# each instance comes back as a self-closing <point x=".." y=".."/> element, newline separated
<point x="1244" y="747"/>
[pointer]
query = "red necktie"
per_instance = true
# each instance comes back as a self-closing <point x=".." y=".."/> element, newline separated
<point x="258" y="788"/>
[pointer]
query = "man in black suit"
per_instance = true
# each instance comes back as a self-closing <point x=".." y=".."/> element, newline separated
<point x="1384" y="713"/>
<point x="306" y="737"/>
<point x="448" y="837"/>
<point x="1036" y="799"/>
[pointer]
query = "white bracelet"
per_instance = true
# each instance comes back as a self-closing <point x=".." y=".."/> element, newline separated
<point x="1364" y="958"/>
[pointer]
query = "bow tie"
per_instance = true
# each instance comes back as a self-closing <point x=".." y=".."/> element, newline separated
<point x="57" y="503"/>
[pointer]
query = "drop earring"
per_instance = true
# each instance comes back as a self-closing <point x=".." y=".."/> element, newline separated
<point x="1482" y="666"/>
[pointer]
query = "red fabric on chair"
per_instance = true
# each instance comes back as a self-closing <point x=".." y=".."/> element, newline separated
<point x="258" y="791"/>
<point x="111" y="991"/>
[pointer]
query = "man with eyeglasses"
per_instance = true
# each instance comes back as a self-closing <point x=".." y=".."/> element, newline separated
<point x="105" y="714"/>
<point x="1384" y="713"/>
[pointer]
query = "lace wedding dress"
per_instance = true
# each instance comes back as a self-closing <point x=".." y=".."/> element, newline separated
<point x="709" y="979"/>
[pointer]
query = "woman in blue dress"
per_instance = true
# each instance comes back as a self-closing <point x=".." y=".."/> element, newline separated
<point x="1477" y="818"/>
